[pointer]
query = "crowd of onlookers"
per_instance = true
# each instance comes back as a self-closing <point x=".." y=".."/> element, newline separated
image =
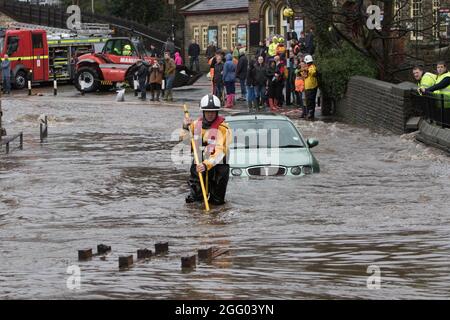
<point x="279" y="73"/>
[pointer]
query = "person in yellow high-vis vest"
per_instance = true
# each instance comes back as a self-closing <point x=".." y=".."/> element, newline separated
<point x="442" y="86"/>
<point x="424" y="79"/>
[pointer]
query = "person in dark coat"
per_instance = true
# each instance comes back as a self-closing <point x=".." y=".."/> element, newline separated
<point x="153" y="52"/>
<point x="251" y="83"/>
<point x="194" y="53"/>
<point x="260" y="82"/>
<point x="261" y="51"/>
<point x="272" y="84"/>
<point x="169" y="47"/>
<point x="142" y="75"/>
<point x="218" y="77"/>
<point x="241" y="72"/>
<point x="211" y="50"/>
<point x="309" y="42"/>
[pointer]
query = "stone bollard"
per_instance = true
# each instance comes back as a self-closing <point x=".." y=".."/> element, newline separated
<point x="144" y="253"/>
<point x="125" y="261"/>
<point x="205" y="254"/>
<point x="161" y="247"/>
<point x="103" y="249"/>
<point x="188" y="262"/>
<point x="84" y="254"/>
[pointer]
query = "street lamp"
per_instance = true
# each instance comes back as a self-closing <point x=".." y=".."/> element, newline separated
<point x="172" y="3"/>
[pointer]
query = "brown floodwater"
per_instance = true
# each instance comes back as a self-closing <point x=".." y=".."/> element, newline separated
<point x="105" y="175"/>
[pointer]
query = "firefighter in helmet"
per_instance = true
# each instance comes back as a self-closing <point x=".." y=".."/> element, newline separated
<point x="212" y="136"/>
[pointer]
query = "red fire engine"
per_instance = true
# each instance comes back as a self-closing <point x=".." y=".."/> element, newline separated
<point x="45" y="54"/>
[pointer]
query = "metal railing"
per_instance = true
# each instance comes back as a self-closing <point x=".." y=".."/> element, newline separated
<point x="56" y="17"/>
<point x="433" y="107"/>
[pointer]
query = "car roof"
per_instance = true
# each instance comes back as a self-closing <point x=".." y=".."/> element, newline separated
<point x="255" y="116"/>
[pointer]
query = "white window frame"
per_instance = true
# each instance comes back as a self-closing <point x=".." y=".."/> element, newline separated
<point x="224" y="36"/>
<point x="417" y="13"/>
<point x="436" y="24"/>
<point x="233" y="36"/>
<point x="270" y="28"/>
<point x="205" y="37"/>
<point x="196" y="34"/>
<point x="283" y="22"/>
<point x="397" y="14"/>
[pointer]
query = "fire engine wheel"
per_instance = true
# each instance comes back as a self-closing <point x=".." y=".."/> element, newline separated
<point x="88" y="78"/>
<point x="20" y="80"/>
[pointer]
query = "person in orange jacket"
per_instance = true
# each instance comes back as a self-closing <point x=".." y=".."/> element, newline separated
<point x="299" y="89"/>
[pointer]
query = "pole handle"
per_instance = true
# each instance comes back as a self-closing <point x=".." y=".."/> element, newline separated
<point x="196" y="160"/>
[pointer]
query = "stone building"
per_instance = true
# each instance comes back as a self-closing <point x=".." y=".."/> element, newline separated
<point x="224" y="22"/>
<point x="266" y="18"/>
<point x="228" y="22"/>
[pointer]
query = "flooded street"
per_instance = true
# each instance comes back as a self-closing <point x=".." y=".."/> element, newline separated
<point x="105" y="175"/>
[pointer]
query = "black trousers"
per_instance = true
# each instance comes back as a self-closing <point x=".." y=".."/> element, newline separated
<point x="311" y="101"/>
<point x="217" y="183"/>
<point x="143" y="88"/>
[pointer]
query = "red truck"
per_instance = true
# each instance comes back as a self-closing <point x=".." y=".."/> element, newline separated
<point x="46" y="55"/>
<point x="116" y="63"/>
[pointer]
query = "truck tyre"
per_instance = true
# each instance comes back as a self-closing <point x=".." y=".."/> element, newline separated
<point x="20" y="80"/>
<point x="91" y="79"/>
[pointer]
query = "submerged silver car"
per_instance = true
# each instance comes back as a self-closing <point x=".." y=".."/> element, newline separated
<point x="268" y="144"/>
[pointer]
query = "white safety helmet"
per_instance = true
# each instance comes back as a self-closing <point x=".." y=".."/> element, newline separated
<point x="210" y="103"/>
<point x="309" y="59"/>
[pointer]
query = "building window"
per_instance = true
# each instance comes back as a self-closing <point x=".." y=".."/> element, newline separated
<point x="224" y="37"/>
<point x="196" y="36"/>
<point x="283" y="23"/>
<point x="233" y="37"/>
<point x="397" y="14"/>
<point x="436" y="24"/>
<point x="269" y="22"/>
<point x="417" y="17"/>
<point x="204" y="38"/>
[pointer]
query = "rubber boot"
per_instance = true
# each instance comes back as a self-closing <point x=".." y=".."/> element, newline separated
<point x="157" y="95"/>
<point x="304" y="112"/>
<point x="233" y="100"/>
<point x="228" y="103"/>
<point x="271" y="104"/>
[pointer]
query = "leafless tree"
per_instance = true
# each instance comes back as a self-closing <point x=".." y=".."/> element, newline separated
<point x="393" y="46"/>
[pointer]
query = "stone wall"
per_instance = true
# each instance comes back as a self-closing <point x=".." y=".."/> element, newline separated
<point x="377" y="104"/>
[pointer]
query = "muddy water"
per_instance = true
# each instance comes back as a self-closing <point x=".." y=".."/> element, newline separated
<point x="106" y="176"/>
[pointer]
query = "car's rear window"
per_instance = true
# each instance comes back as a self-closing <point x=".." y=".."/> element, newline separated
<point x="264" y="134"/>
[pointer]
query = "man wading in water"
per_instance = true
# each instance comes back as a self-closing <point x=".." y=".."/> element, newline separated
<point x="213" y="136"/>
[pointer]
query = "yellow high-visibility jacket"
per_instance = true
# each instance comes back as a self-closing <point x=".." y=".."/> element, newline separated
<point x="311" y="81"/>
<point x="215" y="143"/>
<point x="428" y="79"/>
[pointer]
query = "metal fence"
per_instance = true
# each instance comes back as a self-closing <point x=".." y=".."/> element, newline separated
<point x="434" y="108"/>
<point x="54" y="16"/>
